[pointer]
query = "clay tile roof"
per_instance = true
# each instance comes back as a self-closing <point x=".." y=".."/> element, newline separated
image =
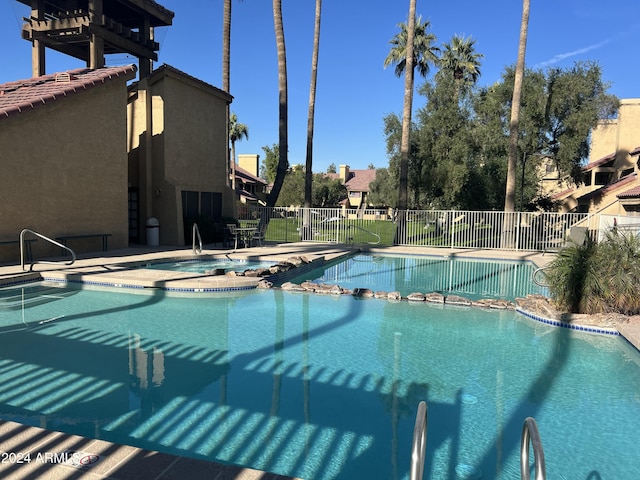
<point x="247" y="176"/>
<point x="610" y="187"/>
<point x="25" y="95"/>
<point x="600" y="162"/>
<point x="631" y="193"/>
<point x="359" y="180"/>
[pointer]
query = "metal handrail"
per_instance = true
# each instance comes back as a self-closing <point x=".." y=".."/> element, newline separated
<point x="43" y="237"/>
<point x="367" y="231"/>
<point x="419" y="445"/>
<point x="530" y="435"/>
<point x="197" y="249"/>
<point x="533" y="277"/>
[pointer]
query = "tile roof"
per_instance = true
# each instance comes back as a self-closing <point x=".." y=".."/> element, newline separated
<point x="599" y="162"/>
<point x="247" y="176"/>
<point x="25" y="95"/>
<point x="610" y="187"/>
<point x="631" y="193"/>
<point x="359" y="180"/>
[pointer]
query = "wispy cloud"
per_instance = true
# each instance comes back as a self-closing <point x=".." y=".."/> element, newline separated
<point x="562" y="56"/>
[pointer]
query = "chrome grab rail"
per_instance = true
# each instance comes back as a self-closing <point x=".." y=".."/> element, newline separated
<point x="419" y="445"/>
<point x="39" y="235"/>
<point x="367" y="231"/>
<point x="530" y="435"/>
<point x="197" y="249"/>
<point x="535" y="280"/>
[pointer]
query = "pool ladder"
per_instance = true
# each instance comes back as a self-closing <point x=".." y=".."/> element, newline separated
<point x="43" y="237"/>
<point x="530" y="438"/>
<point x="195" y="232"/>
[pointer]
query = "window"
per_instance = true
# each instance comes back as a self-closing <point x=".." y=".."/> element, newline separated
<point x="201" y="204"/>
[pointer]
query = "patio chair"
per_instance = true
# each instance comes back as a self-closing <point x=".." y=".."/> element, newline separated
<point x="231" y="228"/>
<point x="258" y="235"/>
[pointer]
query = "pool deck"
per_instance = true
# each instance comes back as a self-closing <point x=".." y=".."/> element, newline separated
<point x="122" y="462"/>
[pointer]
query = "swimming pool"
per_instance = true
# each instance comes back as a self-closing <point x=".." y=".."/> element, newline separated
<point x="471" y="278"/>
<point x="208" y="265"/>
<point x="319" y="387"/>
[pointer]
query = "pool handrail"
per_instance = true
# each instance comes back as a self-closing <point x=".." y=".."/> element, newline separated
<point x="535" y="280"/>
<point x="367" y="231"/>
<point x="50" y="240"/>
<point x="197" y="249"/>
<point x="531" y="436"/>
<point x="419" y="444"/>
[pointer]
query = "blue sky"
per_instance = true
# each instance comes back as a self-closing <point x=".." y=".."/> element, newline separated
<point x="354" y="91"/>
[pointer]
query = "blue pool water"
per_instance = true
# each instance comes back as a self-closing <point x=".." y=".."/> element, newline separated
<point x="316" y="386"/>
<point x="407" y="274"/>
<point x="202" y="266"/>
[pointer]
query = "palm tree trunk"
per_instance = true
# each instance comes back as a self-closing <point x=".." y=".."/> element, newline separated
<point x="510" y="200"/>
<point x="508" y="228"/>
<point x="308" y="173"/>
<point x="226" y="62"/>
<point x="283" y="143"/>
<point x="406" y="124"/>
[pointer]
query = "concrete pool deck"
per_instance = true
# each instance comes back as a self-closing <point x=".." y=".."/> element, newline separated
<point x="100" y="460"/>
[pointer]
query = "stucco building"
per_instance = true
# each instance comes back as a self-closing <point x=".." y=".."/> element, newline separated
<point x="64" y="157"/>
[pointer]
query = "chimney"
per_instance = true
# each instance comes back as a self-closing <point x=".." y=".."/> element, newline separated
<point x="344" y="173"/>
<point x="250" y="162"/>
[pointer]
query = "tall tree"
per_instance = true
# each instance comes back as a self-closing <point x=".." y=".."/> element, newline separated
<point x="237" y="132"/>
<point x="226" y="64"/>
<point x="283" y="139"/>
<point x="308" y="179"/>
<point x="510" y="193"/>
<point x="412" y="48"/>
<point x="269" y="167"/>
<point x="460" y="58"/>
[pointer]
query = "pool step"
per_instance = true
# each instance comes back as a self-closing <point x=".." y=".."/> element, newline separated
<point x="16" y="297"/>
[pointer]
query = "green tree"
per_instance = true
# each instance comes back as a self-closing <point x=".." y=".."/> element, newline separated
<point x="292" y="192"/>
<point x="460" y="59"/>
<point x="384" y="189"/>
<point x="332" y="168"/>
<point x="237" y="131"/>
<point x="283" y="118"/>
<point x="269" y="165"/>
<point x="411" y="48"/>
<point x="327" y="192"/>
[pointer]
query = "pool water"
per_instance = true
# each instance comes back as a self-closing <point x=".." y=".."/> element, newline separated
<point x="407" y="274"/>
<point x="319" y="387"/>
<point x="204" y="266"/>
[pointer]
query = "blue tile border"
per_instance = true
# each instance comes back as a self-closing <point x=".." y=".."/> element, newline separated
<point x="558" y="323"/>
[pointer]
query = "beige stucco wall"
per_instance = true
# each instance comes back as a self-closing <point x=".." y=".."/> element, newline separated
<point x="65" y="170"/>
<point x="188" y="149"/>
<point x="619" y="135"/>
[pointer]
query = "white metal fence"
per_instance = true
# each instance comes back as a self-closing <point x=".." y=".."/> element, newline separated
<point x="531" y="231"/>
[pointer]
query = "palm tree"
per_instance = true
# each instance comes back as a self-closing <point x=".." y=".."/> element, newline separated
<point x="312" y="104"/>
<point x="308" y="176"/>
<point x="459" y="58"/>
<point x="510" y="200"/>
<point x="237" y="131"/>
<point x="425" y="53"/>
<point x="412" y="48"/>
<point x="283" y="141"/>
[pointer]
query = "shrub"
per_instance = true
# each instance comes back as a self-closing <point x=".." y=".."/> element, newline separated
<point x="598" y="278"/>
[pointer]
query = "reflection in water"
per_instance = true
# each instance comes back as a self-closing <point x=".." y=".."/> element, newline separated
<point x="146" y="370"/>
<point x="460" y="276"/>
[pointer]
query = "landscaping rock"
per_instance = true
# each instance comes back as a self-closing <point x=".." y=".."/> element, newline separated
<point x="416" y="297"/>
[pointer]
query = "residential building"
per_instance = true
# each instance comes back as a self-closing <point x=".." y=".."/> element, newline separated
<point x="357" y="184"/>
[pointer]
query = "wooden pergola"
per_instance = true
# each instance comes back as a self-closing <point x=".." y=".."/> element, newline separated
<point x="90" y="29"/>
